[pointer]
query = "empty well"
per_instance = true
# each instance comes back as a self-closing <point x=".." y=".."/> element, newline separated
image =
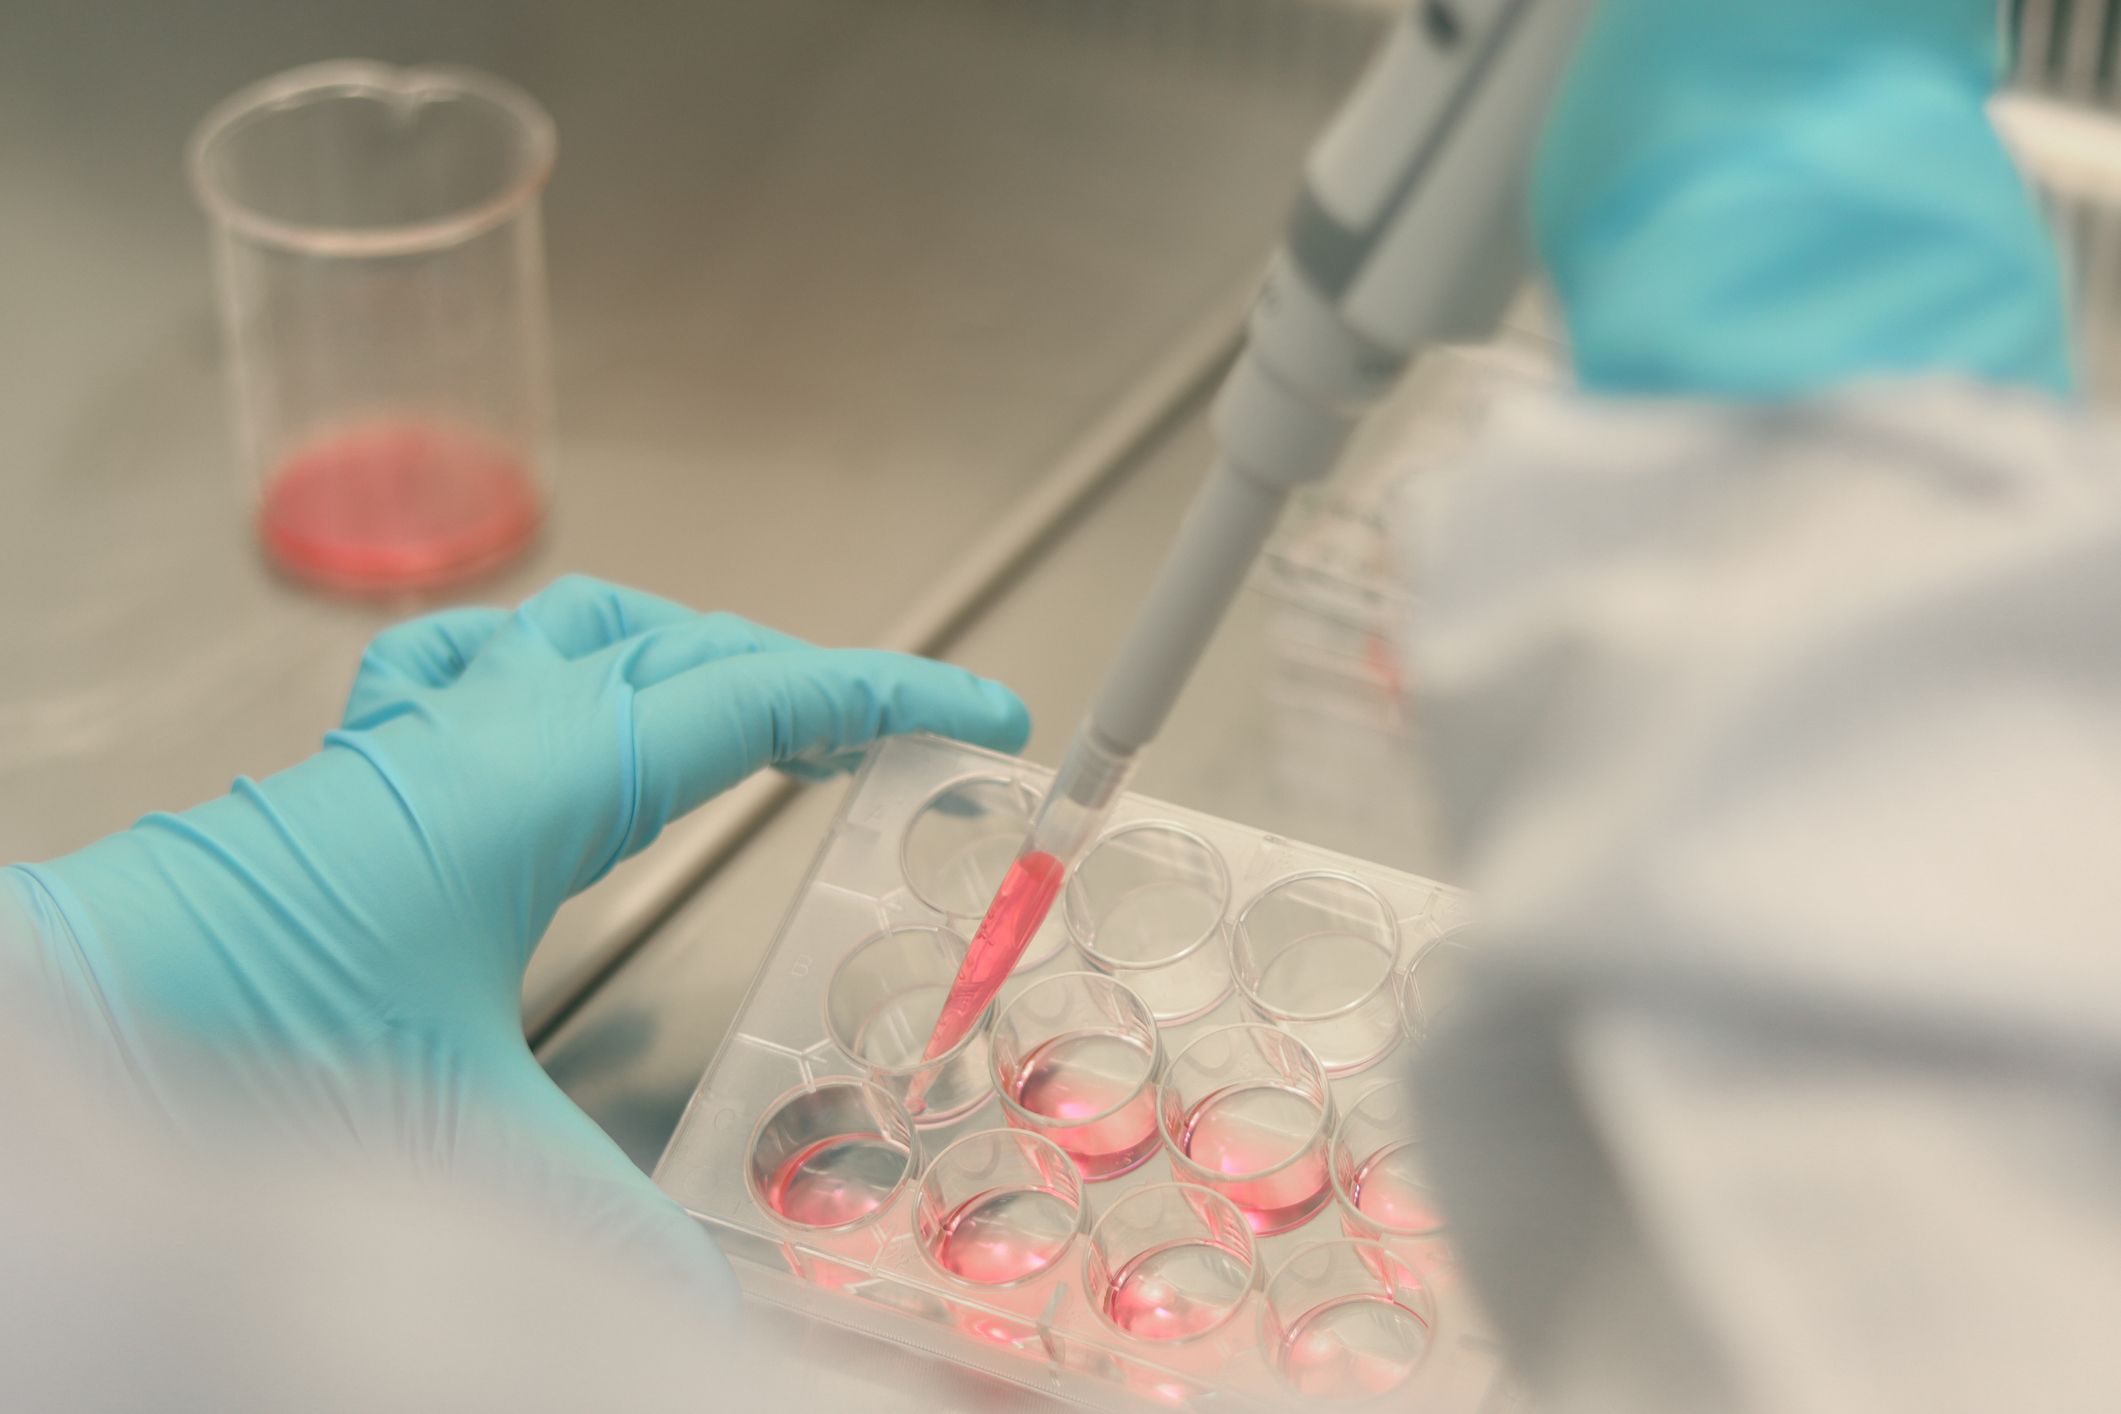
<point x="1315" y="954"/>
<point x="1146" y="905"/>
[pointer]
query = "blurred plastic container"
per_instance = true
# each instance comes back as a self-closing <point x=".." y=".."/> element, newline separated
<point x="2070" y="48"/>
<point x="382" y="287"/>
<point x="1336" y="685"/>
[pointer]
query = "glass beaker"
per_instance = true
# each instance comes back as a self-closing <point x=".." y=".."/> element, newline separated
<point x="382" y="288"/>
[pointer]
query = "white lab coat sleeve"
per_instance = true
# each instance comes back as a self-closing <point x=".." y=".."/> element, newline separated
<point x="1783" y="747"/>
<point x="233" y="1268"/>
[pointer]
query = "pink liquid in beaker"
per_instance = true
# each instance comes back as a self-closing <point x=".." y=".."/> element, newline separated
<point x="1267" y="1142"/>
<point x="1101" y="1078"/>
<point x="397" y="504"/>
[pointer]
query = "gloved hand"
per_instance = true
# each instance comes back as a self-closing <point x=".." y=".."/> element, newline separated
<point x="1761" y="199"/>
<point x="339" y="948"/>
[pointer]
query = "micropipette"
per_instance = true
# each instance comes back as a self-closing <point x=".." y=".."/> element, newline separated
<point x="1405" y="234"/>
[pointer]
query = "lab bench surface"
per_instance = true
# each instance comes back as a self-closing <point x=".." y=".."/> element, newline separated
<point x="837" y="285"/>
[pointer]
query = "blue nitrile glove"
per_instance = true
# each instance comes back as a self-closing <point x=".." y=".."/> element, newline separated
<point x="339" y="949"/>
<point x="1760" y="199"/>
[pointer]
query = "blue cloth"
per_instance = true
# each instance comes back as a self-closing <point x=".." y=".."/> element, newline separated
<point x="1761" y="199"/>
<point x="339" y="949"/>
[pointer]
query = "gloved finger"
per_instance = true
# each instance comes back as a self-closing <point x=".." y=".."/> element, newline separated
<point x="1765" y="198"/>
<point x="701" y="732"/>
<point x="701" y="639"/>
<point x="430" y="651"/>
<point x="433" y="649"/>
<point x="579" y="615"/>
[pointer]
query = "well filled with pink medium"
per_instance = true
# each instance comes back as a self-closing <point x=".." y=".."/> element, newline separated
<point x="1092" y="1086"/>
<point x="1261" y="1148"/>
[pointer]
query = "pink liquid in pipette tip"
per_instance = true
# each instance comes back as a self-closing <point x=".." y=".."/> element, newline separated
<point x="1101" y="1079"/>
<point x="1018" y="909"/>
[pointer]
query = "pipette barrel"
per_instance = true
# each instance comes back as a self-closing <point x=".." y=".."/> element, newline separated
<point x="1221" y="536"/>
